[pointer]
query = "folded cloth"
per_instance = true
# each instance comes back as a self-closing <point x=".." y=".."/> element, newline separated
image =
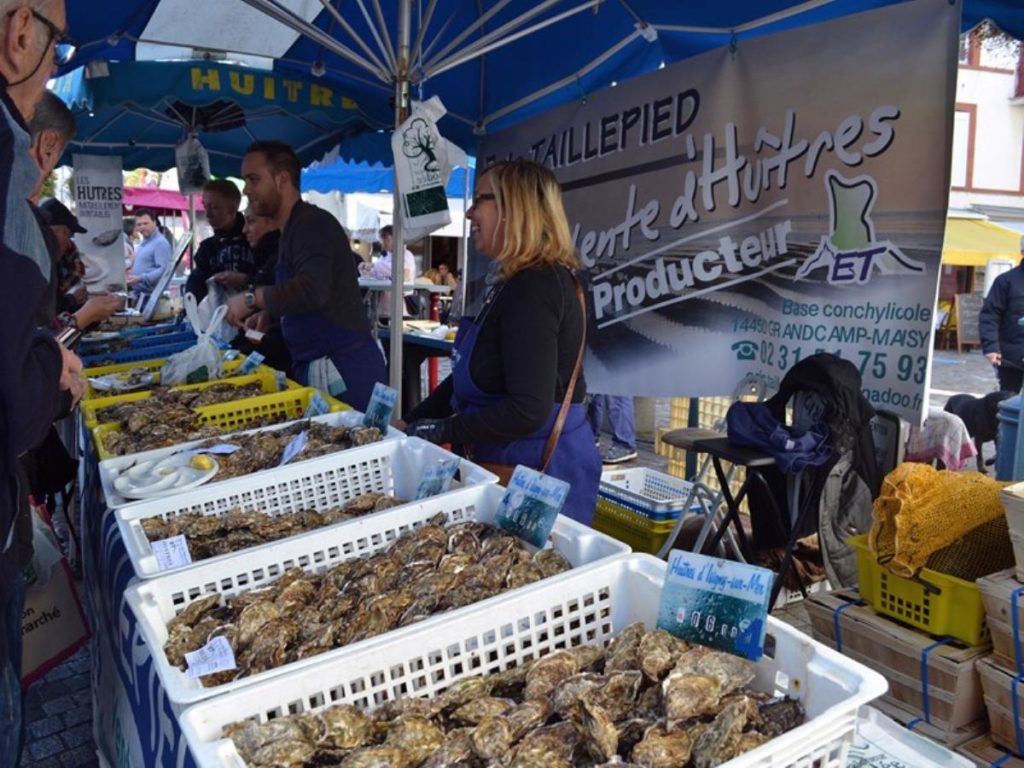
<point x="323" y="375"/>
<point x="753" y="425"/>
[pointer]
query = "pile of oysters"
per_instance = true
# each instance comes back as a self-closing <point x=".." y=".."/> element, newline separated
<point x="212" y="535"/>
<point x="426" y="571"/>
<point x="649" y="700"/>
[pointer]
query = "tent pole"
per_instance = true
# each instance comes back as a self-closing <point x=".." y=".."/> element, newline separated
<point x="191" y="229"/>
<point x="398" y="249"/>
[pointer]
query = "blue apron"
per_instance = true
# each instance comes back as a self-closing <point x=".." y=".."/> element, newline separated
<point x="575" y="458"/>
<point x="309" y="336"/>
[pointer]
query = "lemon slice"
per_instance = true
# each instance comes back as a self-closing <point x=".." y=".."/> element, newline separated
<point x="201" y="462"/>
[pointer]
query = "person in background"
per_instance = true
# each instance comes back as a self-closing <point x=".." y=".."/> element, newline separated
<point x="381" y="270"/>
<point x="315" y="295"/>
<point x="152" y="255"/>
<point x="622" y="421"/>
<point x="264" y="237"/>
<point x="63" y="225"/>
<point x="441" y="275"/>
<point x="38" y="377"/>
<point x="1002" y="335"/>
<point x="226" y="256"/>
<point x="512" y="363"/>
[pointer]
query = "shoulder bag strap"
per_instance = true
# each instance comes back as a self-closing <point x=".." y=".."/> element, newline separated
<point x="563" y="412"/>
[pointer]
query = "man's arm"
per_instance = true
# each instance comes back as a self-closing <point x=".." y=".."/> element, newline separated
<point x="991" y="316"/>
<point x="310" y="255"/>
<point x="196" y="283"/>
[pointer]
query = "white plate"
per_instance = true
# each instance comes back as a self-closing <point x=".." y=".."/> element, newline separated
<point x="162" y="477"/>
<point x="119" y="382"/>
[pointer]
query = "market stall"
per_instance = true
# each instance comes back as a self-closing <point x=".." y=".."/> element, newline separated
<point x="274" y="514"/>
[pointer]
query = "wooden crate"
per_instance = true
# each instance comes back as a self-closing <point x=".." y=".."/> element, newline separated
<point x="956" y="706"/>
<point x="986" y="753"/>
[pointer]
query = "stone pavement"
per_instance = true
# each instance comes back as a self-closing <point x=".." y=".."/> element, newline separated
<point x="58" y="708"/>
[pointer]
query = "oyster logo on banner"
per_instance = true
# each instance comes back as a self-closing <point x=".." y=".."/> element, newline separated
<point x="851" y="253"/>
<point x="725" y="213"/>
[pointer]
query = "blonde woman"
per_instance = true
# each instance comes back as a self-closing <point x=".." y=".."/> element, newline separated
<point x="516" y="365"/>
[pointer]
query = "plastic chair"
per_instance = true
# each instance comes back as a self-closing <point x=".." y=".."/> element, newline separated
<point x="710" y="499"/>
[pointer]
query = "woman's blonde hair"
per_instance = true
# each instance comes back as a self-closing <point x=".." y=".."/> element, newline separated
<point x="529" y="200"/>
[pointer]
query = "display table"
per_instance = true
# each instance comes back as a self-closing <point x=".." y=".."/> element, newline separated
<point x="417" y="347"/>
<point x="133" y="721"/>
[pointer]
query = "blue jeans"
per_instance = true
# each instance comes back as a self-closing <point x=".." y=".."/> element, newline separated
<point x="12" y="725"/>
<point x="620" y="416"/>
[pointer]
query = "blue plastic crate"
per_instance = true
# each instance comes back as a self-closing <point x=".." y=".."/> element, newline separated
<point x="136" y="354"/>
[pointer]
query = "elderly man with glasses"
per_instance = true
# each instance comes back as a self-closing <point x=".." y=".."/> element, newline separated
<point x="38" y="378"/>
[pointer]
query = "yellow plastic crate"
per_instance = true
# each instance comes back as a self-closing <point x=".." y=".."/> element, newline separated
<point x="268" y="383"/>
<point x="955" y="610"/>
<point x="239" y="414"/>
<point x="154" y="366"/>
<point x="641" y="533"/>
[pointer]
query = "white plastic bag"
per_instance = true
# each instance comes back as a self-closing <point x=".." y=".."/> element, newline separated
<point x="46" y="551"/>
<point x="423" y="163"/>
<point x="216" y="296"/>
<point x="193" y="164"/>
<point x="202" y="362"/>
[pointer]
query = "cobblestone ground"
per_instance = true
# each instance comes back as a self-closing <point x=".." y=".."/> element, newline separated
<point x="58" y="708"/>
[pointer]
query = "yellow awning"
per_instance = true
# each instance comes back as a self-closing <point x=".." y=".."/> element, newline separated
<point x="972" y="242"/>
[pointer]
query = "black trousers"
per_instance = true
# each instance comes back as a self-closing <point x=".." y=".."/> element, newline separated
<point x="1010" y="378"/>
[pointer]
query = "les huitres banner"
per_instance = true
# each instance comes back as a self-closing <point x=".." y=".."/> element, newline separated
<point x="757" y="204"/>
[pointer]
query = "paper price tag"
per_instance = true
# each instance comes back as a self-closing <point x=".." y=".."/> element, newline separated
<point x="437" y="478"/>
<point x="317" y="406"/>
<point x="252" y="335"/>
<point x="215" y="656"/>
<point x="282" y="380"/>
<point x="294" y="447"/>
<point x="530" y="505"/>
<point x="220" y="449"/>
<point x="231" y="354"/>
<point x="252" y="362"/>
<point x="172" y="552"/>
<point x="715" y="602"/>
<point x="382" y="405"/>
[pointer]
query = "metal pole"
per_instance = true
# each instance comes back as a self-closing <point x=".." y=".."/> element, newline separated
<point x="398" y="256"/>
<point x="191" y="236"/>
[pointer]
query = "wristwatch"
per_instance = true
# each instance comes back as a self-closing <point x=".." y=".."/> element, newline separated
<point x="250" y="299"/>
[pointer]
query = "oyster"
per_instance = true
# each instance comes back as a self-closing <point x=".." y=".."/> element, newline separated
<point x="473" y="712"/>
<point x="658" y="652"/>
<point x="457" y="749"/>
<point x="546" y="673"/>
<point x="551" y="745"/>
<point x="779" y="716"/>
<point x="720" y="741"/>
<point x="600" y="736"/>
<point x="623" y="652"/>
<point x="660" y="748"/>
<point x="344" y="727"/>
<point x="375" y="757"/>
<point x="688" y="695"/>
<point x="416" y="737"/>
<point x="570" y="690"/>
<point x="491" y="738"/>
<point x="551" y="562"/>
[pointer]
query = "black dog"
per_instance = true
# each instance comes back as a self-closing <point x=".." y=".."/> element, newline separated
<point x="980" y="416"/>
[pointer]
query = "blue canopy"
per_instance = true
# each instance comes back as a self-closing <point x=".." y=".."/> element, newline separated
<point x="492" y="64"/>
<point x="342" y="176"/>
<point x="141" y="110"/>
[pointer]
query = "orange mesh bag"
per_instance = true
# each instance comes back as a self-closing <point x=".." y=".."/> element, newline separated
<point x="922" y="510"/>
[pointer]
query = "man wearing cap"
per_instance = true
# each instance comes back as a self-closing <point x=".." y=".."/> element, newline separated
<point x="1002" y="335"/>
<point x="64" y="225"/>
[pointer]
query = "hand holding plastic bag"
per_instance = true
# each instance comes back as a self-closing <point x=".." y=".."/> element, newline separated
<point x="202" y="362"/>
<point x="217" y="295"/>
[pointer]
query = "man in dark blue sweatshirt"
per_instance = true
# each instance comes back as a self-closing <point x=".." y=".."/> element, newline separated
<point x="37" y="377"/>
<point x="1002" y="336"/>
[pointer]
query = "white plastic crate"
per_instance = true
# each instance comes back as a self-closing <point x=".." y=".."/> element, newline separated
<point x="111" y="467"/>
<point x="647" y="492"/>
<point x="158" y="600"/>
<point x="589" y="606"/>
<point x="392" y="467"/>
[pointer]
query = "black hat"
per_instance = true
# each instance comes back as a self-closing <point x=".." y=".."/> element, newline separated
<point x="57" y="213"/>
